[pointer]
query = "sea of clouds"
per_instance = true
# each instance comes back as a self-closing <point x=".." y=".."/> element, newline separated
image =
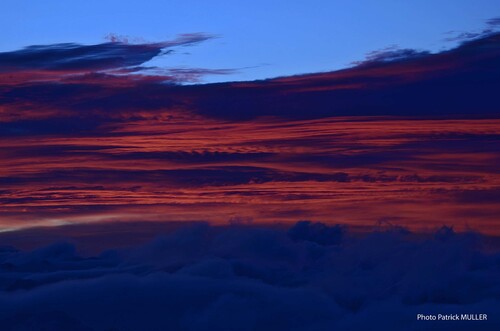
<point x="310" y="276"/>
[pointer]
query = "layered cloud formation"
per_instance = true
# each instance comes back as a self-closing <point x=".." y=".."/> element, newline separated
<point x="91" y="133"/>
<point x="308" y="277"/>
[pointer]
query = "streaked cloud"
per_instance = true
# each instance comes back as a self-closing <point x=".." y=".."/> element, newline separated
<point x="401" y="136"/>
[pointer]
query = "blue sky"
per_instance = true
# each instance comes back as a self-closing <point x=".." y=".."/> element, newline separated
<point x="263" y="38"/>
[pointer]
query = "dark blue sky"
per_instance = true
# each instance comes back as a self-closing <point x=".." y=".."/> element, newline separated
<point x="262" y="38"/>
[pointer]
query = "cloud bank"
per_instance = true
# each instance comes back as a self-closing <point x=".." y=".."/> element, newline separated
<point x="308" y="277"/>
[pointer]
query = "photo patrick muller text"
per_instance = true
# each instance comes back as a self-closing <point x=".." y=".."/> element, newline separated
<point x="452" y="317"/>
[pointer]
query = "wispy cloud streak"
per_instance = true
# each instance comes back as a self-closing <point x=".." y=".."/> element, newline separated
<point x="411" y="137"/>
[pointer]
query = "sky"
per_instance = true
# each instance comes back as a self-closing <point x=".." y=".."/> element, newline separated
<point x="257" y="39"/>
<point x="264" y="165"/>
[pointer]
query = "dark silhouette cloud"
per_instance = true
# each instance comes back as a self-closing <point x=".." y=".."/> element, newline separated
<point x="78" y="57"/>
<point x="75" y="57"/>
<point x="390" y="82"/>
<point x="240" y="277"/>
<point x="113" y="63"/>
<point x="491" y="28"/>
<point x="493" y="21"/>
<point x="391" y="54"/>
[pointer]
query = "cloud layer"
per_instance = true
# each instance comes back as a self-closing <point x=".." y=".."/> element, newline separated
<point x="88" y="133"/>
<point x="309" y="277"/>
